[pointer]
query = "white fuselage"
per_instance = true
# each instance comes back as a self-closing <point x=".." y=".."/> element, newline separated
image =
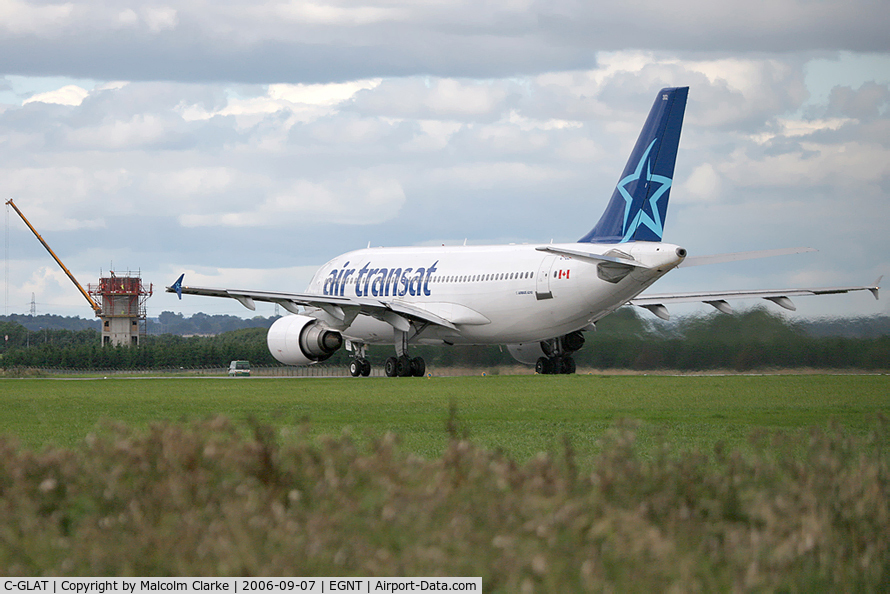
<point x="491" y="294"/>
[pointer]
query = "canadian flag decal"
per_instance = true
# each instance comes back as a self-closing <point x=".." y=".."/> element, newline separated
<point x="560" y="274"/>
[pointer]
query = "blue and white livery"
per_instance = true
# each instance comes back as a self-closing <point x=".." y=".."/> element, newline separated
<point x="536" y="299"/>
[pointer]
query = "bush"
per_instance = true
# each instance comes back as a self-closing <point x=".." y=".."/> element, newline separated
<point x="798" y="512"/>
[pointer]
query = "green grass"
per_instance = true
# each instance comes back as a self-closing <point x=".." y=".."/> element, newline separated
<point x="520" y="415"/>
<point x="657" y="504"/>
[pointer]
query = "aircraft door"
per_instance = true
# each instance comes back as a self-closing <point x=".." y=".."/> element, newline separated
<point x="542" y="280"/>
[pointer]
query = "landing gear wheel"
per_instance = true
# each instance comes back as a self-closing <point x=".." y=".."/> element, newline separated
<point x="391" y="367"/>
<point x="567" y="366"/>
<point x="543" y="366"/>
<point x="418" y="367"/>
<point x="355" y="368"/>
<point x="366" y="368"/>
<point x="403" y="366"/>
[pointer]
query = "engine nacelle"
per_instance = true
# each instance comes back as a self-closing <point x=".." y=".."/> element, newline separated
<point x="527" y="352"/>
<point x="530" y="352"/>
<point x="301" y="340"/>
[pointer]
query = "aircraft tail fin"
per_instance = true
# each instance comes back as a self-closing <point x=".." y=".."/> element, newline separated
<point x="177" y="286"/>
<point x="638" y="206"/>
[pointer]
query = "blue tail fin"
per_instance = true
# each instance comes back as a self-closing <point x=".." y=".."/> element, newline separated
<point x="177" y="286"/>
<point x="638" y="206"/>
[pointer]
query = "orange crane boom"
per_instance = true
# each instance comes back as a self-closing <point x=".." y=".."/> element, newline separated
<point x="93" y="304"/>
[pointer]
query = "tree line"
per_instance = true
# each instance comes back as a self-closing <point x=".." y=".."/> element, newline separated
<point x="82" y="350"/>
<point x="167" y="322"/>
<point x="752" y="339"/>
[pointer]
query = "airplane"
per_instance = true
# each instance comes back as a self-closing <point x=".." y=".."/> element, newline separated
<point x="538" y="300"/>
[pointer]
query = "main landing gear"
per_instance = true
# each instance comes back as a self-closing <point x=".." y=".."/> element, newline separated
<point x="402" y="366"/>
<point x="554" y="365"/>
<point x="559" y="351"/>
<point x="399" y="366"/>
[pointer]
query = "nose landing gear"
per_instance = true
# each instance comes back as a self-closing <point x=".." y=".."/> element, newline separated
<point x="360" y="366"/>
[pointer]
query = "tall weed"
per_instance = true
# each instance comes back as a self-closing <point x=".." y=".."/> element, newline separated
<point x="797" y="511"/>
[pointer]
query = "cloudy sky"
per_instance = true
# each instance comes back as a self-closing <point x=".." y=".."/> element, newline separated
<point x="246" y="143"/>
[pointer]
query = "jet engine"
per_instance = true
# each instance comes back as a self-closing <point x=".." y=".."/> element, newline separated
<point x="527" y="353"/>
<point x="301" y="340"/>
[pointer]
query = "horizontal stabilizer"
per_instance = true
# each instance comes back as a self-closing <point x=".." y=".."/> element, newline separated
<point x="585" y="255"/>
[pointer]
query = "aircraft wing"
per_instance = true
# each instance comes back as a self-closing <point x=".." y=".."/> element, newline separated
<point x="656" y="302"/>
<point x="394" y="312"/>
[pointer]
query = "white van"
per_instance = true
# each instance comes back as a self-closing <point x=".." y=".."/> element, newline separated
<point x="239" y="369"/>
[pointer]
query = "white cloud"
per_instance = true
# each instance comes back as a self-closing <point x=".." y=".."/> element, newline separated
<point x="67" y="95"/>
<point x="359" y="199"/>
<point x="128" y="17"/>
<point x="792" y="128"/>
<point x="54" y="291"/>
<point x="431" y="135"/>
<point x="435" y="98"/>
<point x="703" y="185"/>
<point x="306" y="101"/>
<point x="159" y="19"/>
<point x="503" y="175"/>
<point x="844" y="167"/>
<point x="320" y="13"/>
<point x="527" y="124"/>
<point x="141" y="130"/>
<point x="24" y="17"/>
<point x="189" y="182"/>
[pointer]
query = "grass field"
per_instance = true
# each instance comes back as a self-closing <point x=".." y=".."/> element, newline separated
<point x="682" y="499"/>
<point x="520" y="415"/>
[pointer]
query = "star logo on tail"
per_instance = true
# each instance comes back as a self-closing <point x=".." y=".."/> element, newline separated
<point x="644" y="209"/>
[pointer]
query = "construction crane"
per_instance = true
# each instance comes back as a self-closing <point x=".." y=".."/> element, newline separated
<point x="96" y="308"/>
